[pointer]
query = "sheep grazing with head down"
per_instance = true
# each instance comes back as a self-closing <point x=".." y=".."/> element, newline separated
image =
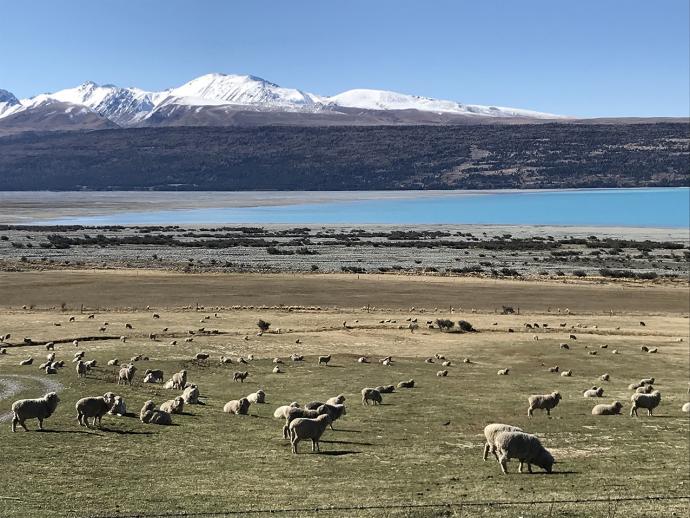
<point x="119" y="408"/>
<point x="336" y="400"/>
<point x="237" y="406"/>
<point x="524" y="447"/>
<point x="281" y="411"/>
<point x="371" y="394"/>
<point x="257" y="397"/>
<point x="491" y="431"/>
<point x="126" y="374"/>
<point x="173" y="406"/>
<point x="153" y="376"/>
<point x="150" y="415"/>
<point x="406" y="384"/>
<point x="594" y="392"/>
<point x="323" y="360"/>
<point x="612" y="409"/>
<point x="305" y="428"/>
<point x="543" y="402"/>
<point x="191" y="395"/>
<point x="648" y="401"/>
<point x="39" y="408"/>
<point x="94" y="407"/>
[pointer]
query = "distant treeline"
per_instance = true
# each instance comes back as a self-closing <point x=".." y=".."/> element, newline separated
<point x="350" y="158"/>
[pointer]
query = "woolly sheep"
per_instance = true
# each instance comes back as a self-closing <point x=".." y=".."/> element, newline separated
<point x="257" y="397"/>
<point x="50" y="369"/>
<point x="39" y="408"/>
<point x="612" y="409"/>
<point x="119" y="407"/>
<point x="593" y="392"/>
<point x="201" y="356"/>
<point x="240" y="376"/>
<point x="647" y="381"/>
<point x="567" y="374"/>
<point x="114" y="362"/>
<point x="179" y="380"/>
<point x="296" y="357"/>
<point x="524" y="447"/>
<point x="373" y="395"/>
<point x="644" y="389"/>
<point x="276" y="370"/>
<point x="442" y="374"/>
<point x="28" y="361"/>
<point x="153" y="376"/>
<point x="126" y="374"/>
<point x="503" y="372"/>
<point x="305" y="428"/>
<point x="94" y="407"/>
<point x="224" y="360"/>
<point x="81" y="369"/>
<point x="648" y="401"/>
<point x="605" y="377"/>
<point x="313" y="405"/>
<point x="90" y="364"/>
<point x="362" y="359"/>
<point x="281" y="411"/>
<point x="297" y="413"/>
<point x="446" y="364"/>
<point x="406" y="384"/>
<point x="386" y="389"/>
<point x="237" y="407"/>
<point x="191" y="395"/>
<point x="337" y="400"/>
<point x="491" y="431"/>
<point x="149" y="415"/>
<point x="429" y="360"/>
<point x="323" y="360"/>
<point x="173" y="406"/>
<point x="685" y="408"/>
<point x="543" y="402"/>
<point x="334" y="411"/>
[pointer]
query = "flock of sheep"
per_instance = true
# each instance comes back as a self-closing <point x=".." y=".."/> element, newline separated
<point x="309" y="422"/>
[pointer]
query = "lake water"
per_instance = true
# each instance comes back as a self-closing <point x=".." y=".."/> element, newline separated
<point x="653" y="207"/>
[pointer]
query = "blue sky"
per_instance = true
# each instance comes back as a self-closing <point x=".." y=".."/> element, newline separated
<point x="584" y="58"/>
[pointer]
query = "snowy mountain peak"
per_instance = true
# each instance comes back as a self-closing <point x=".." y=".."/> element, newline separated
<point x="8" y="97"/>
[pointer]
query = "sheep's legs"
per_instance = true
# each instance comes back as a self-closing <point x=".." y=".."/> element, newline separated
<point x="529" y="411"/>
<point x="649" y="411"/>
<point x="503" y="461"/>
<point x="548" y="412"/>
<point x="486" y="451"/>
<point x="529" y="467"/>
<point x="40" y="423"/>
<point x="295" y="441"/>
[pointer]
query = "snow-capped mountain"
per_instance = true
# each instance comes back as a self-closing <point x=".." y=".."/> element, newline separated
<point x="216" y="99"/>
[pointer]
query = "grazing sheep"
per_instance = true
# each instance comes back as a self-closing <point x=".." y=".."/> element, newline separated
<point x="297" y="413"/>
<point x="240" y="376"/>
<point x="592" y="353"/>
<point x="191" y="395"/>
<point x="491" y="431"/>
<point x="553" y="369"/>
<point x="277" y="361"/>
<point x="644" y="389"/>
<point x="149" y="415"/>
<point x="685" y="408"/>
<point x="297" y="357"/>
<point x="153" y="376"/>
<point x="94" y="407"/>
<point x="605" y="377"/>
<point x="39" y="408"/>
<point x="126" y="374"/>
<point x="442" y="374"/>
<point x="173" y="406"/>
<point x="334" y="411"/>
<point x="594" y="392"/>
<point x="647" y="381"/>
<point x="28" y="361"/>
<point x="564" y="346"/>
<point x="305" y="428"/>
<point x="323" y="360"/>
<point x="573" y="337"/>
<point x="179" y="380"/>
<point x="224" y="360"/>
<point x="50" y="346"/>
<point x="612" y="409"/>
<point x="337" y="400"/>
<point x="237" y="407"/>
<point x="406" y="384"/>
<point x="567" y="374"/>
<point x="373" y="395"/>
<point x="648" y="401"/>
<point x="90" y="364"/>
<point x="503" y="372"/>
<point x="201" y="356"/>
<point x="119" y="408"/>
<point x="257" y="397"/>
<point x="543" y="402"/>
<point x="81" y="369"/>
<point x="429" y="360"/>
<point x="281" y="411"/>
<point x="524" y="447"/>
<point x="386" y="389"/>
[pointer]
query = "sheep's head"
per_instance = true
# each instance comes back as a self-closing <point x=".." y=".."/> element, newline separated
<point x="557" y="396"/>
<point x="617" y="405"/>
<point x="52" y="398"/>
<point x="546" y="461"/>
<point x="109" y="398"/>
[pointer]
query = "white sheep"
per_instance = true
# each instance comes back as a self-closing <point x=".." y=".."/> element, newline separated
<point x="373" y="395"/>
<point x="119" y="408"/>
<point x="281" y="411"/>
<point x="179" y="380"/>
<point x="81" y="369"/>
<point x="524" y="447"/>
<point x="543" y="402"/>
<point x="305" y="428"/>
<point x="114" y="362"/>
<point x="503" y="372"/>
<point x="644" y="389"/>
<point x="685" y="408"/>
<point x="612" y="409"/>
<point x="648" y="401"/>
<point x="337" y="400"/>
<point x="94" y="407"/>
<point x="334" y="411"/>
<point x="237" y="407"/>
<point x="491" y="431"/>
<point x="173" y="406"/>
<point x="126" y="374"/>
<point x="39" y="408"/>
<point x="191" y="395"/>
<point x="149" y="415"/>
<point x="442" y="374"/>
<point x="257" y="397"/>
<point x="153" y="376"/>
<point x="567" y="374"/>
<point x="605" y="377"/>
<point x="276" y="370"/>
<point x="406" y="384"/>
<point x="362" y="359"/>
<point x="647" y="381"/>
<point x="593" y="392"/>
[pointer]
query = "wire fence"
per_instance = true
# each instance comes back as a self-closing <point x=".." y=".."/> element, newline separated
<point x="622" y="507"/>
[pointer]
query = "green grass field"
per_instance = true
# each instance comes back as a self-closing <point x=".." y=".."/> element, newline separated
<point x="422" y="446"/>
